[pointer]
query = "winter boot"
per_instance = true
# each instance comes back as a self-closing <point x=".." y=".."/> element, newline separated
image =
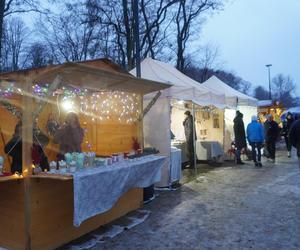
<point x="289" y="154"/>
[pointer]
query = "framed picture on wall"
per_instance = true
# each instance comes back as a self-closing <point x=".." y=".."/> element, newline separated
<point x="216" y="121"/>
<point x="205" y="115"/>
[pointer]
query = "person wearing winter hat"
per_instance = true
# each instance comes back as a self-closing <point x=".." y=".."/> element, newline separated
<point x="255" y="136"/>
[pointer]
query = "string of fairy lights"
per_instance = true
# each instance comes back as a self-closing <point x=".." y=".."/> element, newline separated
<point x="119" y="106"/>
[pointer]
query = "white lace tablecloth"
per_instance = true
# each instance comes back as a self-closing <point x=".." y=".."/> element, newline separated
<point x="175" y="164"/>
<point x="96" y="190"/>
<point x="208" y="150"/>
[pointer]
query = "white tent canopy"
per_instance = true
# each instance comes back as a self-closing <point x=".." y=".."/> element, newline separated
<point x="184" y="88"/>
<point x="233" y="97"/>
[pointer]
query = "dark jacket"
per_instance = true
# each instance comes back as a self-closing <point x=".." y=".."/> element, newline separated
<point x="239" y="131"/>
<point x="14" y="149"/>
<point x="188" y="124"/>
<point x="287" y="124"/>
<point x="294" y="134"/>
<point x="271" y="131"/>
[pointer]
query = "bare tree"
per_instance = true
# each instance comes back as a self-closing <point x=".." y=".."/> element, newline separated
<point x="118" y="16"/>
<point x="283" y="88"/>
<point x="155" y="25"/>
<point x="187" y="21"/>
<point x="15" y="34"/>
<point x="37" y="55"/>
<point x="9" y="7"/>
<point x="261" y="93"/>
<point x="70" y="35"/>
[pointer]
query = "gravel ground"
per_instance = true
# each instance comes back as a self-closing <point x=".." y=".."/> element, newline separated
<point x="229" y="207"/>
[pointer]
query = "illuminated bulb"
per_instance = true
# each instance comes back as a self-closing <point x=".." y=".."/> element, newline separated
<point x="67" y="105"/>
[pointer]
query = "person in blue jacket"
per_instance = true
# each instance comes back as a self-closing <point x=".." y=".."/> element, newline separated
<point x="255" y="137"/>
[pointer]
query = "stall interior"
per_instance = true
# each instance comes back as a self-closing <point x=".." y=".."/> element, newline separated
<point x="109" y="120"/>
<point x="209" y="126"/>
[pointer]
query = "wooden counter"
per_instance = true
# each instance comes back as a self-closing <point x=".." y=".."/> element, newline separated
<point x="10" y="178"/>
<point x="51" y="216"/>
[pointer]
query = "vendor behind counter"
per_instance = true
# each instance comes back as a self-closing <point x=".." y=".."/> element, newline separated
<point x="14" y="148"/>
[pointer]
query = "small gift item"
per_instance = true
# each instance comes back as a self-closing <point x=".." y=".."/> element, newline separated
<point x="120" y="157"/>
<point x="109" y="161"/>
<point x="73" y="166"/>
<point x="68" y="158"/>
<point x="80" y="160"/>
<point x="114" y="158"/>
<point x="90" y="158"/>
<point x="53" y="166"/>
<point x="63" y="167"/>
<point x="37" y="169"/>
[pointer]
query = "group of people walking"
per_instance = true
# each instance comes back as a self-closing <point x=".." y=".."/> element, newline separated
<point x="264" y="135"/>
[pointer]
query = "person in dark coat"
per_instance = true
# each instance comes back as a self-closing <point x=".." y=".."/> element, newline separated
<point x="14" y="149"/>
<point x="188" y="124"/>
<point x="287" y="124"/>
<point x="239" y="135"/>
<point x="294" y="137"/>
<point x="271" y="135"/>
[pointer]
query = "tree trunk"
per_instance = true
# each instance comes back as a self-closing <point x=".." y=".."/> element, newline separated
<point x="2" y="6"/>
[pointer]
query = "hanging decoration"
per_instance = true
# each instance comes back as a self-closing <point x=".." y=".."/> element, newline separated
<point x="66" y="91"/>
<point x="11" y="108"/>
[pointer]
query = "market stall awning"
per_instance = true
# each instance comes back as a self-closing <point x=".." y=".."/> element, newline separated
<point x="233" y="97"/>
<point x="183" y="87"/>
<point x="83" y="76"/>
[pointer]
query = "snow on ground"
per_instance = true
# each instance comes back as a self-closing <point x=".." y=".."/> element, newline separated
<point x="229" y="207"/>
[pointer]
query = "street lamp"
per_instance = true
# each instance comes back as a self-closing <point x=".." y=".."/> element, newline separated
<point x="268" y="66"/>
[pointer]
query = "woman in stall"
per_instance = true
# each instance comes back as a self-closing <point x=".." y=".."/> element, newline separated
<point x="69" y="136"/>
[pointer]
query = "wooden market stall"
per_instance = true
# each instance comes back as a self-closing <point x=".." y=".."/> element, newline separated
<point x="37" y="211"/>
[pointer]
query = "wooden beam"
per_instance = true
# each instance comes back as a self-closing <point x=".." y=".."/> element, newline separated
<point x="27" y="122"/>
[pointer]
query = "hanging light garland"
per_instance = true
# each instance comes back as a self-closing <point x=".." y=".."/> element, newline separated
<point x="114" y="105"/>
<point x="117" y="105"/>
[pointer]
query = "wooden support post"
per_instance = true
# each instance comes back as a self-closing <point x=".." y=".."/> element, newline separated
<point x="27" y="122"/>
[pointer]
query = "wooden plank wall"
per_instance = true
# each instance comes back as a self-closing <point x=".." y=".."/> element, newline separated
<point x="52" y="213"/>
<point x="12" y="221"/>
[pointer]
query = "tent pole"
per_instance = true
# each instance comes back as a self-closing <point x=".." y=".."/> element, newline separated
<point x="170" y="145"/>
<point x="194" y="137"/>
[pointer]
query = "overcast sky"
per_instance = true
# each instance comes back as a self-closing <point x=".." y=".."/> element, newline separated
<point x="253" y="33"/>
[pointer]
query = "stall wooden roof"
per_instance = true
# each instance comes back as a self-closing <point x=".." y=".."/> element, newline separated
<point x="98" y="75"/>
